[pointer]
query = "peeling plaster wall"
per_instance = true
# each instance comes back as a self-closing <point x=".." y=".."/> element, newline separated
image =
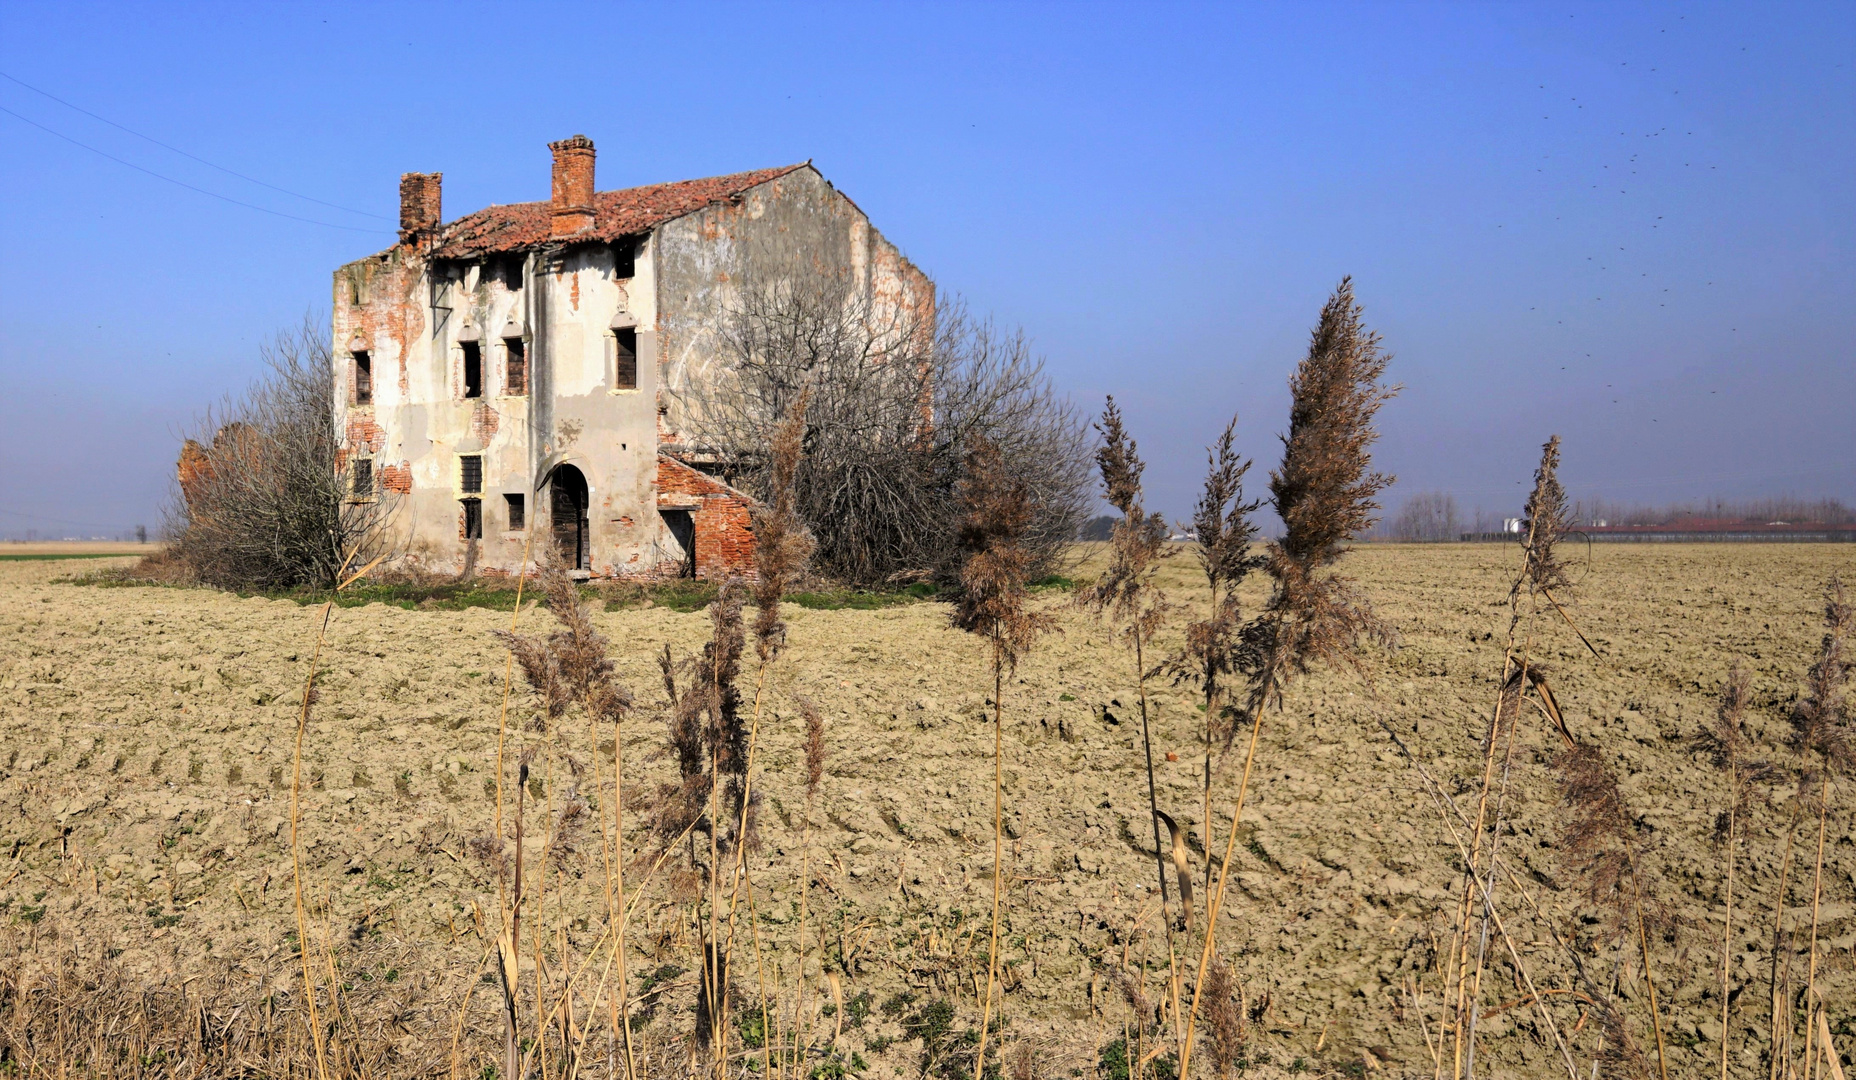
<point x="796" y="224"/>
<point x="409" y="311"/>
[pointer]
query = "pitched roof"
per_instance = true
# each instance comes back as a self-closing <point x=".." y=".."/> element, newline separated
<point x="519" y="226"/>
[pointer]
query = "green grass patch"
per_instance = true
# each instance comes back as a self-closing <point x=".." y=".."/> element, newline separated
<point x="499" y="594"/>
<point x="60" y="558"/>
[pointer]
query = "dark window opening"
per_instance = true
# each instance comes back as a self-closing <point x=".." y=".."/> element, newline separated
<point x="512" y="274"/>
<point x="626" y="349"/>
<point x="518" y="512"/>
<point x="473" y="519"/>
<point x="473" y="370"/>
<point x="471" y="470"/>
<point x="363" y="379"/>
<point x="516" y="375"/>
<point x="363" y="478"/>
<point x="624" y="259"/>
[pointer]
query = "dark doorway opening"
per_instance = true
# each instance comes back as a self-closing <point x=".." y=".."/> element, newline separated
<point x="683" y="530"/>
<point x="568" y="506"/>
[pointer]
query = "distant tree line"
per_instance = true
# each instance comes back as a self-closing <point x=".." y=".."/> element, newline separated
<point x="1432" y="516"/>
<point x="1786" y="508"/>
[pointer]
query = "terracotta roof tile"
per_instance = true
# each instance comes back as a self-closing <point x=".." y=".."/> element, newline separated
<point x="520" y="226"/>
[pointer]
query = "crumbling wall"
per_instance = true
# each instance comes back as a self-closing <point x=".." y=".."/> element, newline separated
<point x="723" y="518"/>
<point x="791" y="227"/>
<point x="563" y="299"/>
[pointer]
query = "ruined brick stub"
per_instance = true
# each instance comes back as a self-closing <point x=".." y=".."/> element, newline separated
<point x="492" y="347"/>
<point x="723" y="518"/>
<point x="421" y="208"/>
<point x="572" y="198"/>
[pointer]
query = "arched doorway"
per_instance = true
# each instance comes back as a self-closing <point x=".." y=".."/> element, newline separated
<point x="568" y="510"/>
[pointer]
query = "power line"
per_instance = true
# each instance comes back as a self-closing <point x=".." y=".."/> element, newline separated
<point x="182" y="183"/>
<point x="190" y="157"/>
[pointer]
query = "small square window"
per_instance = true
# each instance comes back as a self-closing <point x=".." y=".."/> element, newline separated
<point x="363" y="379"/>
<point x="363" y="478"/>
<point x="473" y="370"/>
<point x="515" y="376"/>
<point x="473" y="519"/>
<point x="518" y="512"/>
<point x="625" y="259"/>
<point x="470" y="474"/>
<point x="625" y="351"/>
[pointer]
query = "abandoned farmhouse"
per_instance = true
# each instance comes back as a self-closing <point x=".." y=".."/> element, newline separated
<point x="535" y="369"/>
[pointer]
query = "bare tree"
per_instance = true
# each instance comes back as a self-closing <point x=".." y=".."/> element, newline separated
<point x="267" y="497"/>
<point x="1428" y="517"/>
<point x="898" y="399"/>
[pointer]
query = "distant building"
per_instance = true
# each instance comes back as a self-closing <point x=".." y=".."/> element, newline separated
<point x="525" y="371"/>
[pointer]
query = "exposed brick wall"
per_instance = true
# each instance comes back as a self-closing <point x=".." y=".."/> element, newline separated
<point x="195" y="467"/>
<point x="395" y="478"/>
<point x="484" y="421"/>
<point x="364" y="433"/>
<point x="721" y="514"/>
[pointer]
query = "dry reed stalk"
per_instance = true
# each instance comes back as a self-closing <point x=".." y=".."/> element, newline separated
<point x="615" y="881"/>
<point x="508" y="965"/>
<point x="569" y="667"/>
<point x="1324" y="492"/>
<point x="1728" y="745"/>
<point x="718" y="705"/>
<point x="1442" y="799"/>
<point x="1775" y="1036"/>
<point x="1221" y="523"/>
<point x="1126" y="590"/>
<point x="343" y="580"/>
<point x="1820" y="726"/>
<point x="296" y="850"/>
<point x="815" y="771"/>
<point x="997" y="511"/>
<point x="1600" y="830"/>
<point x="1127" y="593"/>
<point x="782" y="547"/>
<point x="1547" y="520"/>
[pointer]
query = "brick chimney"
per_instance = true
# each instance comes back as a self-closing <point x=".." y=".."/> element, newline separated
<point x="573" y="185"/>
<point x="421" y="208"/>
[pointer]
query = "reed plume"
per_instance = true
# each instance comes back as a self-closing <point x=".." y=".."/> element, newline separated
<point x="1126" y="591"/>
<point x="997" y="510"/>
<point x="782" y="544"/>
<point x="1324" y="491"/>
<point x="570" y="667"/>
<point x="1224" y="1017"/>
<point x="1545" y="520"/>
<point x="1212" y="654"/>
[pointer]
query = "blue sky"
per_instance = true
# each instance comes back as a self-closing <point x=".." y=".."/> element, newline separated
<point x="1631" y="225"/>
